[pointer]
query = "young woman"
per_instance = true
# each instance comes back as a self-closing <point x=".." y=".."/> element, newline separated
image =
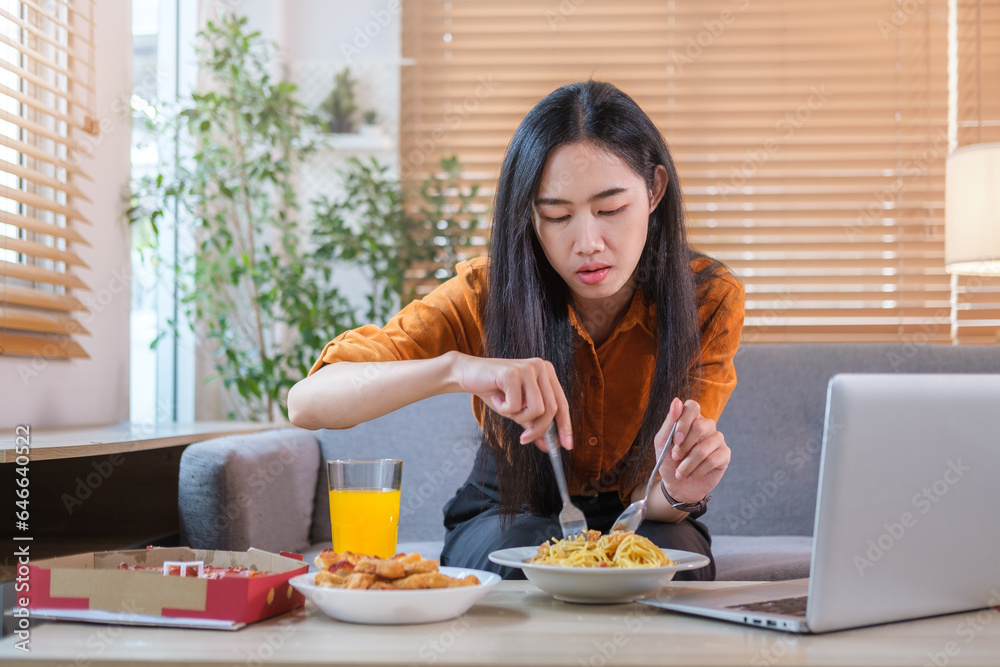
<point x="591" y="310"/>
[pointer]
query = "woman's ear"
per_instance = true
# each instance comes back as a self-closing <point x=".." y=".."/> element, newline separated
<point x="660" y="179"/>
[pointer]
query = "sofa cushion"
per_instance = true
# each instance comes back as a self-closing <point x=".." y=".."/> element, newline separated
<point x="761" y="558"/>
<point x="246" y="491"/>
<point x="436" y="438"/>
<point x="774" y="424"/>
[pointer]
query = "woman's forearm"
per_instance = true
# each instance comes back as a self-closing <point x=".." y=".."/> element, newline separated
<point x="345" y="394"/>
<point x="657" y="507"/>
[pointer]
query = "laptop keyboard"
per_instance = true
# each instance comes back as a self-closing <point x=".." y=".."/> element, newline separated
<point x="786" y="606"/>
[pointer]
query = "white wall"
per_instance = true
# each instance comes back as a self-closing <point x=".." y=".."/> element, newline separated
<point x="322" y="30"/>
<point x="43" y="392"/>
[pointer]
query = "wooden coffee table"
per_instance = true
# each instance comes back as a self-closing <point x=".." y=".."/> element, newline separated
<point x="517" y="624"/>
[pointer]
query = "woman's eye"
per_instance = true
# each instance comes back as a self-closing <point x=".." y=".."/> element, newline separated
<point x="614" y="212"/>
<point x="563" y="218"/>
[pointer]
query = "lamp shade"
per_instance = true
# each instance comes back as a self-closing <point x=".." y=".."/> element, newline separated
<point x="972" y="210"/>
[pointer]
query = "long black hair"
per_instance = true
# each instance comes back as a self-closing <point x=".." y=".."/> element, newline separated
<point x="526" y="310"/>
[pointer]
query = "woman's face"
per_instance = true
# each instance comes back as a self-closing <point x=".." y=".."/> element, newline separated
<point x="592" y="217"/>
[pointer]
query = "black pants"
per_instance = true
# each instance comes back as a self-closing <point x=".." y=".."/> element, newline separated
<point x="472" y="520"/>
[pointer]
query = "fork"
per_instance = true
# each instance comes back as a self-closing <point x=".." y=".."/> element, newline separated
<point x="571" y="519"/>
<point x="633" y="515"/>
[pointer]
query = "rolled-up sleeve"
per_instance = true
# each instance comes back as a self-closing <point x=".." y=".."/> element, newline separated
<point x="446" y="319"/>
<point x="720" y="314"/>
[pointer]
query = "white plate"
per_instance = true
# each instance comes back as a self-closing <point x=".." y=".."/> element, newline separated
<point x="396" y="607"/>
<point x="597" y="585"/>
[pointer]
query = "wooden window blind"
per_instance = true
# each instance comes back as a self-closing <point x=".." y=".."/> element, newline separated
<point x="810" y="138"/>
<point x="47" y="102"/>
<point x="977" y="90"/>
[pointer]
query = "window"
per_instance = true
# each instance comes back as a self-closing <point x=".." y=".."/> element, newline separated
<point x="810" y="138"/>
<point x="162" y="383"/>
<point x="47" y="101"/>
<point x="977" y="120"/>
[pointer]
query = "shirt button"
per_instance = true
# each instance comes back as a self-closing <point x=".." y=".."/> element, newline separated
<point x="592" y="442"/>
<point x="595" y="381"/>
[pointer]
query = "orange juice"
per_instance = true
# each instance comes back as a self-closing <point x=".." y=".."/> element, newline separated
<point x="365" y="521"/>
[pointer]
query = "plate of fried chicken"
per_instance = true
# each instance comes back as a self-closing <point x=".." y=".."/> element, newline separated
<point x="403" y="589"/>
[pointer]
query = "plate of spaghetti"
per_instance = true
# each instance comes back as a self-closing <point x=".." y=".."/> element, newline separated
<point x="599" y="569"/>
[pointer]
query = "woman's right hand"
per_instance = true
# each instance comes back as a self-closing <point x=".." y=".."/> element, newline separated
<point x="524" y="390"/>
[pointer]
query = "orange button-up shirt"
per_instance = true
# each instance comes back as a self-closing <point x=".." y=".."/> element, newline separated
<point x="615" y="376"/>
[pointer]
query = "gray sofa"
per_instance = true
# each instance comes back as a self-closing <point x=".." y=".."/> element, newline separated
<point x="268" y="490"/>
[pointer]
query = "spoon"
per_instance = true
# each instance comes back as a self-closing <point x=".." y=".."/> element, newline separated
<point x="633" y="515"/>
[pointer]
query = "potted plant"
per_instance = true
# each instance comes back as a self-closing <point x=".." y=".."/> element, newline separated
<point x="370" y="226"/>
<point x="260" y="290"/>
<point x="368" y="123"/>
<point x="339" y="106"/>
<point x="254" y="296"/>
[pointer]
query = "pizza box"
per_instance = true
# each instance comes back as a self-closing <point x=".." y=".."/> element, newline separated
<point x="90" y="587"/>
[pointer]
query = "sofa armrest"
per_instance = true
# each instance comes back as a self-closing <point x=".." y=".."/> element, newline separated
<point x="245" y="491"/>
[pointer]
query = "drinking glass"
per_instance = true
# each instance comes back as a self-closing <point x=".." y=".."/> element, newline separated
<point x="364" y="505"/>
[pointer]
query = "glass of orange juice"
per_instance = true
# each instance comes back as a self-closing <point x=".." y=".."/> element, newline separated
<point x="364" y="505"/>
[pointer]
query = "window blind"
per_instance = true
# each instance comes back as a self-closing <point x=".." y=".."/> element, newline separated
<point x="810" y="138"/>
<point x="47" y="102"/>
<point x="977" y="91"/>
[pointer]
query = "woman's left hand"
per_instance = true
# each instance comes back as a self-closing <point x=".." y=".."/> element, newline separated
<point x="700" y="455"/>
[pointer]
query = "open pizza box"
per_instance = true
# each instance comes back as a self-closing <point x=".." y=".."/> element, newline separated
<point x="90" y="587"/>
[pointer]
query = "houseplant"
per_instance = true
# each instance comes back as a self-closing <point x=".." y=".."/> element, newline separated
<point x="340" y="106"/>
<point x="448" y="204"/>
<point x="260" y="290"/>
<point x="399" y="240"/>
<point x="251" y="293"/>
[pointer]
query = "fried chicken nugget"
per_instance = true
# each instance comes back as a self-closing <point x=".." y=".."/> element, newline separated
<point x="341" y="567"/>
<point x="468" y="580"/>
<point x="415" y="563"/>
<point x="420" y="566"/>
<point x="387" y="569"/>
<point x="422" y="580"/>
<point x="406" y="558"/>
<point x="327" y="557"/>
<point x="330" y="580"/>
<point x="360" y="580"/>
<point x="432" y="580"/>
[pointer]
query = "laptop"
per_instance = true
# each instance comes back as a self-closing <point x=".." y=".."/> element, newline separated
<point x="906" y="514"/>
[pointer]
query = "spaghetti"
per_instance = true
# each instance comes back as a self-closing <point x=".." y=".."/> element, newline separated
<point x="591" y="549"/>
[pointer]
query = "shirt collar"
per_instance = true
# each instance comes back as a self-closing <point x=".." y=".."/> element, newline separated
<point x="641" y="312"/>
